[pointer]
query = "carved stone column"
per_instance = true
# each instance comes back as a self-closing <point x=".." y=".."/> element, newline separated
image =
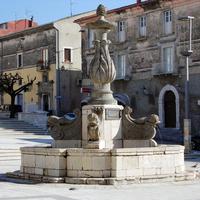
<point x="102" y="70"/>
<point x="101" y="119"/>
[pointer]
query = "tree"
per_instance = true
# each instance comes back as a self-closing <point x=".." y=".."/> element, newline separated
<point x="8" y="84"/>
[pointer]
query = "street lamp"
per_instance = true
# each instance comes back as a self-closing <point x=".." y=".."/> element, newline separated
<point x="186" y="51"/>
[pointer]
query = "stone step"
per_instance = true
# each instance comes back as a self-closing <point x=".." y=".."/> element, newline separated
<point x="21" y="129"/>
<point x="10" y="154"/>
<point x="23" y="132"/>
<point x="18" y="127"/>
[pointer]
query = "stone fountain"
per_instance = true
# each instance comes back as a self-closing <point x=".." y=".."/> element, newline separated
<point x="103" y="144"/>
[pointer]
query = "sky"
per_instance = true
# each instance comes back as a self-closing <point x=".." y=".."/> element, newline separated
<point x="45" y="11"/>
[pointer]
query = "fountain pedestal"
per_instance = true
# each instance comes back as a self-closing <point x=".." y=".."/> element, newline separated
<point x="102" y="126"/>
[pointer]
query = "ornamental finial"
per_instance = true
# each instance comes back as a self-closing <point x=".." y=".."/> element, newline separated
<point x="101" y="10"/>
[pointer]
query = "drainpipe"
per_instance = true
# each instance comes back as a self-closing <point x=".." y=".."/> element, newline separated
<point x="1" y="67"/>
<point x="57" y="82"/>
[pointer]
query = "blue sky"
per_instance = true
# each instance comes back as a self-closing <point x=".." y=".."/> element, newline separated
<point x="45" y="11"/>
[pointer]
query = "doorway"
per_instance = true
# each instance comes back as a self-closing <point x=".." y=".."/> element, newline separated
<point x="20" y="102"/>
<point x="45" y="101"/>
<point x="170" y="109"/>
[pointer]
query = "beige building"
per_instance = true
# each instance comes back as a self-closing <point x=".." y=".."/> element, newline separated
<point x="146" y="46"/>
<point x="52" y="54"/>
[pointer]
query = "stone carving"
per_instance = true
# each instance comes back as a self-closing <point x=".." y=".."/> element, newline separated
<point x="61" y="128"/>
<point x="94" y="119"/>
<point x="102" y="70"/>
<point x="93" y="127"/>
<point x="138" y="129"/>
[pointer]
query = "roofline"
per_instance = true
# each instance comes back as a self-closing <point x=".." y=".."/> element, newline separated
<point x="74" y="16"/>
<point x="108" y="12"/>
<point x="38" y="28"/>
<point x="120" y="9"/>
<point x="27" y="31"/>
<point x="17" y="21"/>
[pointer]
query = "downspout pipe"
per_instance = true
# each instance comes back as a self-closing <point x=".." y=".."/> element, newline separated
<point x="1" y="68"/>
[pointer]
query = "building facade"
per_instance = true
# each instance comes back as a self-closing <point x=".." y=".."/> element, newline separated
<point x="52" y="54"/>
<point x="15" y="26"/>
<point x="146" y="48"/>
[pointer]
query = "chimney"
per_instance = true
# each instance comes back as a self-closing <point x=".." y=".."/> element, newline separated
<point x="30" y="22"/>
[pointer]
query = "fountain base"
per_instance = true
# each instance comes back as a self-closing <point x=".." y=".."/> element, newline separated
<point x="103" y="166"/>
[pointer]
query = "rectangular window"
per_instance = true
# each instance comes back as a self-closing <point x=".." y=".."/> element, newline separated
<point x="168" y="22"/>
<point x="121" y="67"/>
<point x="67" y="55"/>
<point x="168" y="59"/>
<point x="90" y="38"/>
<point x="121" y="31"/>
<point x="142" y="27"/>
<point x="4" y="26"/>
<point x="19" y="60"/>
<point x="45" y="56"/>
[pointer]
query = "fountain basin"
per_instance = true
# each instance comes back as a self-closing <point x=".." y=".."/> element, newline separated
<point x="103" y="166"/>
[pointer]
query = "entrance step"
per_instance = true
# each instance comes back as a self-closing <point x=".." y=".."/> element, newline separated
<point x="14" y="126"/>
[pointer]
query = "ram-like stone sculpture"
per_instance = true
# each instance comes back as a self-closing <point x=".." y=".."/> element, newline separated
<point x="138" y="129"/>
<point x="66" y="128"/>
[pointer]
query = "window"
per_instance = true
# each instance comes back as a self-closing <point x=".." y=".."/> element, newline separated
<point x="120" y="68"/>
<point x="168" y="57"/>
<point x="168" y="22"/>
<point x="90" y="38"/>
<point x="121" y="31"/>
<point x="142" y="28"/>
<point x="4" y="26"/>
<point x="19" y="60"/>
<point x="45" y="56"/>
<point x="67" y="55"/>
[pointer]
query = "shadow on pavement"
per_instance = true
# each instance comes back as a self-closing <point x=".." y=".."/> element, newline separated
<point x="4" y="178"/>
<point x="44" y="141"/>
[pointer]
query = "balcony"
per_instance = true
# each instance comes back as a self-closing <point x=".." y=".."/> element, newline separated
<point x="159" y="70"/>
<point x="43" y="66"/>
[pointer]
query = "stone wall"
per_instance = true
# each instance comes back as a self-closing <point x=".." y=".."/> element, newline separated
<point x="90" y="166"/>
<point x="30" y="45"/>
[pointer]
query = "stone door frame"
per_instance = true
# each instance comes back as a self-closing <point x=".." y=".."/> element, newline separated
<point x="161" y="109"/>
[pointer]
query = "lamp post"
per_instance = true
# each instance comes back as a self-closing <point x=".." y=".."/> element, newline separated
<point x="187" y="52"/>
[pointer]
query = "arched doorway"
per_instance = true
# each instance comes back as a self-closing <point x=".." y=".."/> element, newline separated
<point x="170" y="109"/>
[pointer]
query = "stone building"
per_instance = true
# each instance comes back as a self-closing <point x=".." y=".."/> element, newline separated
<point x="52" y="54"/>
<point x="146" y="45"/>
